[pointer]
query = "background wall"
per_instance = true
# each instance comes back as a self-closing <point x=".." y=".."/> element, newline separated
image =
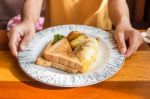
<point x="139" y="13"/>
<point x="8" y="9"/>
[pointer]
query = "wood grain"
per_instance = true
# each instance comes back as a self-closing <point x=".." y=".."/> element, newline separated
<point x="136" y="68"/>
<point x="9" y="68"/>
<point x="36" y="90"/>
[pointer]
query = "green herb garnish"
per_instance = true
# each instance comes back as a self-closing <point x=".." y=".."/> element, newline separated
<point x="57" y="37"/>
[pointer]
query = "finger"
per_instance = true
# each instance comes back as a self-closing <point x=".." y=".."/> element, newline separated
<point x="13" y="49"/>
<point x="132" y="46"/>
<point x="13" y="44"/>
<point x="121" y="42"/>
<point x="25" y="40"/>
<point x="137" y="41"/>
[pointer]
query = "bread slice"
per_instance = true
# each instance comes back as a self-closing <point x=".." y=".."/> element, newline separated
<point x="41" y="61"/>
<point x="61" y="53"/>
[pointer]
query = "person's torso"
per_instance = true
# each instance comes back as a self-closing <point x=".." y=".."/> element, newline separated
<point x="87" y="12"/>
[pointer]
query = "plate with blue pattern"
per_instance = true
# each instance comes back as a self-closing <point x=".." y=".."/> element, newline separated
<point x="109" y="60"/>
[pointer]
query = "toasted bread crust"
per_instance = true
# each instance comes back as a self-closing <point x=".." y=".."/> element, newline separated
<point x="63" y="61"/>
<point x="41" y="61"/>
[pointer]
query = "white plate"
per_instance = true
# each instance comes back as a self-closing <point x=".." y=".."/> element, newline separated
<point x="109" y="60"/>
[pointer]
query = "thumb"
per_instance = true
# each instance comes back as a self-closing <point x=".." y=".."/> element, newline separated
<point x="121" y="42"/>
<point x="25" y="41"/>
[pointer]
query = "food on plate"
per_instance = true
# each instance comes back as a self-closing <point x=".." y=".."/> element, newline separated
<point x="75" y="38"/>
<point x="73" y="34"/>
<point x="72" y="56"/>
<point x="43" y="62"/>
<point x="57" y="37"/>
<point x="62" y="53"/>
<point x="86" y="52"/>
<point x="75" y="42"/>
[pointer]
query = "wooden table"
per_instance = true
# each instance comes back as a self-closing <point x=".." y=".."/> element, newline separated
<point x="131" y="82"/>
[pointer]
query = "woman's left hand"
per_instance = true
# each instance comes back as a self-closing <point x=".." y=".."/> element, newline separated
<point x="123" y="33"/>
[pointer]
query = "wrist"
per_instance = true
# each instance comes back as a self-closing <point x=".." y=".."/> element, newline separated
<point x="27" y="19"/>
<point x="28" y="22"/>
<point x="124" y="22"/>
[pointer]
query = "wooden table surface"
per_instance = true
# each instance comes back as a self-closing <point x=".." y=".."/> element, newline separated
<point x="131" y="82"/>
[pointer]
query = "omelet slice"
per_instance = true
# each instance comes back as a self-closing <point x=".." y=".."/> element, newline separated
<point x="86" y="52"/>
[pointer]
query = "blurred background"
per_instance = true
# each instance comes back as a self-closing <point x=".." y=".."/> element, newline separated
<point x="139" y="12"/>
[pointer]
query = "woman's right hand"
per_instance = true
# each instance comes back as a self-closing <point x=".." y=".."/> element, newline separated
<point x="19" y="36"/>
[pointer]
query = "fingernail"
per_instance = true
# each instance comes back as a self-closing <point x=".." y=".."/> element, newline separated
<point x="22" y="47"/>
<point x="123" y="50"/>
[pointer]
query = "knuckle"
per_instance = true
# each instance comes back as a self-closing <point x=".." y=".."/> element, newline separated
<point x="134" y="33"/>
<point x="137" y="33"/>
<point x="136" y="36"/>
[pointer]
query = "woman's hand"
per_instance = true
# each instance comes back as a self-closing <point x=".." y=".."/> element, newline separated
<point x="20" y="35"/>
<point x="123" y="33"/>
